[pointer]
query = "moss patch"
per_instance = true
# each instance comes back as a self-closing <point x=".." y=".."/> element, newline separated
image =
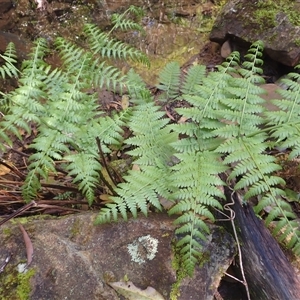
<point x="180" y="272"/>
<point x="15" y="285"/>
<point x="266" y="11"/>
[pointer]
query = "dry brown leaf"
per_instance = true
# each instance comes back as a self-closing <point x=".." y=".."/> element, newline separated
<point x="125" y="102"/>
<point x="4" y="170"/>
<point x="182" y="120"/>
<point x="136" y="167"/>
<point x="105" y="198"/>
<point x="28" y="244"/>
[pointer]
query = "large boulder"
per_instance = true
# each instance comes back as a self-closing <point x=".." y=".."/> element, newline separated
<point x="73" y="259"/>
<point x="276" y="23"/>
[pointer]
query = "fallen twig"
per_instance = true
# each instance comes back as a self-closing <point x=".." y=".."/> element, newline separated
<point x="19" y="211"/>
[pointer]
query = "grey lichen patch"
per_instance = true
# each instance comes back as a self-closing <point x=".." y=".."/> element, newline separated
<point x="142" y="249"/>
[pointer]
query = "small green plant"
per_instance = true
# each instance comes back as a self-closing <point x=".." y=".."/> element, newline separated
<point x="66" y="116"/>
<point x="180" y="162"/>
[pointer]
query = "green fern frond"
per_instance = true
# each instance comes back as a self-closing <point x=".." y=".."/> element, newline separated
<point x="137" y="88"/>
<point x="169" y="80"/>
<point x="93" y="71"/>
<point x="142" y="188"/>
<point x="195" y="180"/>
<point x="49" y="146"/>
<point x="123" y="22"/>
<point x="106" y="76"/>
<point x="112" y="211"/>
<point x="10" y="60"/>
<point x="101" y="43"/>
<point x="109" y="130"/>
<point x="205" y="112"/>
<point x="152" y="138"/>
<point x="284" y="124"/>
<point x="193" y="78"/>
<point x="85" y="169"/>
<point x="31" y="186"/>
<point x="152" y="154"/>
<point x="24" y="103"/>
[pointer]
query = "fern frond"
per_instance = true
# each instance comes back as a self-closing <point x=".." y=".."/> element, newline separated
<point x="106" y="76"/>
<point x="284" y="124"/>
<point x="152" y="138"/>
<point x="195" y="184"/>
<point x="286" y="229"/>
<point x="101" y="43"/>
<point x="142" y="187"/>
<point x="85" y="169"/>
<point x="93" y="70"/>
<point x="31" y="186"/>
<point x="109" y="130"/>
<point x="193" y="78"/>
<point x="111" y="212"/>
<point x="169" y="80"/>
<point x="256" y="170"/>
<point x="153" y="154"/>
<point x="205" y="112"/>
<point x="10" y="60"/>
<point x="124" y="23"/>
<point x="24" y="103"/>
<point x="137" y="88"/>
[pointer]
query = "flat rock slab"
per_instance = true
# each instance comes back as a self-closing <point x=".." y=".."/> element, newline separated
<point x="244" y="21"/>
<point x="74" y="259"/>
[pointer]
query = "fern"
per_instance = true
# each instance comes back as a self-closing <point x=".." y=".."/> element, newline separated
<point x="246" y="145"/>
<point x="205" y="111"/>
<point x="193" y="78"/>
<point x="10" y="60"/>
<point x="106" y="46"/>
<point x="153" y="153"/>
<point x="284" y="123"/>
<point x="55" y="101"/>
<point x="169" y="79"/>
<point x="121" y="21"/>
<point x="180" y="162"/>
<point x="191" y="165"/>
<point x="195" y="182"/>
<point x="24" y="102"/>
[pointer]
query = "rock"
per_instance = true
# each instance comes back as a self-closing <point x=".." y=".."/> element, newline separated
<point x="273" y="22"/>
<point x="22" y="46"/>
<point x="73" y="259"/>
<point x="226" y="49"/>
<point x="271" y="94"/>
<point x="5" y="6"/>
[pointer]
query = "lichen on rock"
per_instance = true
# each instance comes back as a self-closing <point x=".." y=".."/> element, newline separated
<point x="142" y="249"/>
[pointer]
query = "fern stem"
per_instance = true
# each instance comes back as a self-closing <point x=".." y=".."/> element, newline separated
<point x="103" y="161"/>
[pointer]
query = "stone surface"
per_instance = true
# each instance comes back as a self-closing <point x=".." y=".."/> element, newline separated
<point x="244" y="22"/>
<point x="22" y="46"/>
<point x="73" y="259"/>
<point x="5" y="6"/>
